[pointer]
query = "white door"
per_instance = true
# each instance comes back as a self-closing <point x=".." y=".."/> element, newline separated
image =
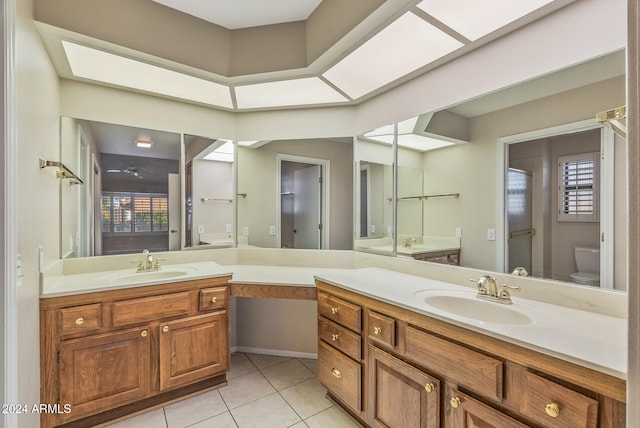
<point x="174" y="212"/>
<point x="307" y="207"/>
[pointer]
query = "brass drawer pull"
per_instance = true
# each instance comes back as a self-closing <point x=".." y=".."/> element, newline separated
<point x="377" y="330"/>
<point x="335" y="337"/>
<point x="334" y="311"/>
<point x="144" y="333"/>
<point x="80" y="321"/>
<point x="552" y="410"/>
<point x="336" y="373"/>
<point x="429" y="387"/>
<point x="165" y="329"/>
<point x="455" y="402"/>
<point x="214" y="299"/>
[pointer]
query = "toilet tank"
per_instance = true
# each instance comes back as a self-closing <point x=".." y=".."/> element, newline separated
<point x="588" y="259"/>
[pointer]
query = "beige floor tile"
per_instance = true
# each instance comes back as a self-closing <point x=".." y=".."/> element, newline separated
<point x="311" y="364"/>
<point x="287" y="374"/>
<point x="225" y="420"/>
<point x="263" y="361"/>
<point x="240" y="365"/>
<point x="194" y="409"/>
<point x="299" y="425"/>
<point x="333" y="417"/>
<point x="268" y="412"/>
<point x="152" y="419"/>
<point x="244" y="389"/>
<point x="307" y="398"/>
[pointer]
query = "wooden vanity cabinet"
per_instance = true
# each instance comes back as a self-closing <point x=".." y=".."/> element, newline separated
<point x="107" y="354"/>
<point x="340" y="353"/>
<point x="423" y="372"/>
<point x="447" y="257"/>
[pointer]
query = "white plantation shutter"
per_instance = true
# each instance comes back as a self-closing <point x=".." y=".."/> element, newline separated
<point x="578" y="180"/>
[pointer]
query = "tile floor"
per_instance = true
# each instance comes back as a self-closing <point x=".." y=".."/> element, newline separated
<point x="263" y="391"/>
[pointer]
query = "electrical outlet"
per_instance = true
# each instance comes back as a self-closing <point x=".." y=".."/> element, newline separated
<point x="373" y="228"/>
<point x="272" y="230"/>
<point x="229" y="228"/>
<point x="458" y="232"/>
<point x="201" y="228"/>
<point x="245" y="231"/>
<point x="491" y="234"/>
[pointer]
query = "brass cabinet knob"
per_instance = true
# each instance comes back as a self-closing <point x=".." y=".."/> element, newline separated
<point x="334" y="311"/>
<point x="214" y="299"/>
<point x="335" y="337"/>
<point x="429" y="387"/>
<point x="79" y="321"/>
<point x="455" y="402"/>
<point x="552" y="410"/>
<point x="377" y="330"/>
<point x="336" y="373"/>
<point x="165" y="329"/>
<point x="144" y="333"/>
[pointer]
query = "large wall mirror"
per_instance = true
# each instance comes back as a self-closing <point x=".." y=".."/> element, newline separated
<point x="296" y="193"/>
<point x="130" y="196"/>
<point x="525" y="177"/>
<point x="209" y="192"/>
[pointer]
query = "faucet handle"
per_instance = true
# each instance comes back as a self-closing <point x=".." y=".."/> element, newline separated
<point x="504" y="293"/>
<point x="156" y="265"/>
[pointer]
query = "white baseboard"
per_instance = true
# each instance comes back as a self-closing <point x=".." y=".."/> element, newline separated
<point x="276" y="352"/>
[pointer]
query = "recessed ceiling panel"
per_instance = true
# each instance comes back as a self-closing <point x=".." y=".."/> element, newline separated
<point x="245" y="13"/>
<point x="306" y="91"/>
<point x="105" y="67"/>
<point x="414" y="141"/>
<point x="474" y="19"/>
<point x="406" y="45"/>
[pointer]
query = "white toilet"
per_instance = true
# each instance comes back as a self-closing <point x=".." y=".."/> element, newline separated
<point x="588" y="261"/>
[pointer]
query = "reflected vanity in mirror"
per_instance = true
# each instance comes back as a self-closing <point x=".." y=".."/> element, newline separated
<point x="130" y="198"/>
<point x="543" y="132"/>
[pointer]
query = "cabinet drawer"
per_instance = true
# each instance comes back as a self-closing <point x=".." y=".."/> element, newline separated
<point x="340" y="338"/>
<point x="553" y="405"/>
<point x="381" y="328"/>
<point x="80" y="318"/>
<point x="340" y="375"/>
<point x="476" y="371"/>
<point x="150" y="308"/>
<point x="213" y="298"/>
<point x="340" y="311"/>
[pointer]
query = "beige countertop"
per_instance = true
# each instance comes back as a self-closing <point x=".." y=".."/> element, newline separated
<point x="584" y="338"/>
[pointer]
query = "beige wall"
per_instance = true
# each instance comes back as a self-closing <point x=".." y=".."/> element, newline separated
<point x="257" y="177"/>
<point x="38" y="120"/>
<point x="471" y="169"/>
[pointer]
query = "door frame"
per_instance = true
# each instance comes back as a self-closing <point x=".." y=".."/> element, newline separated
<point x="606" y="187"/>
<point x="325" y="164"/>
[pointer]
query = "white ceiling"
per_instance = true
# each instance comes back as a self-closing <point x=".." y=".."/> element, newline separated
<point x="245" y="13"/>
<point x="390" y="54"/>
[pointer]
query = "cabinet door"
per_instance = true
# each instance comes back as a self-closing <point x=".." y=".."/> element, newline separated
<point x="193" y="349"/>
<point x="104" y="371"/>
<point x="465" y="412"/>
<point x="401" y="395"/>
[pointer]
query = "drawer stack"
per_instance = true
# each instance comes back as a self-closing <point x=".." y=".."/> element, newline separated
<point x="340" y="349"/>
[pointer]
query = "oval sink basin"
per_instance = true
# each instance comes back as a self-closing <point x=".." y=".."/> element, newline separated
<point x="149" y="276"/>
<point x="466" y="305"/>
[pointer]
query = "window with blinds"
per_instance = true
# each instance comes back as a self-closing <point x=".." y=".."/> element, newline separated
<point x="139" y="213"/>
<point x="578" y="180"/>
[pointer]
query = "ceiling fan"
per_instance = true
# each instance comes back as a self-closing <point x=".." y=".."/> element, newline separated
<point x="129" y="170"/>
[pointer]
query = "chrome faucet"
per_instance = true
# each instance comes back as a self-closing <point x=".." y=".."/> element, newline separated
<point x="488" y="290"/>
<point x="408" y="241"/>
